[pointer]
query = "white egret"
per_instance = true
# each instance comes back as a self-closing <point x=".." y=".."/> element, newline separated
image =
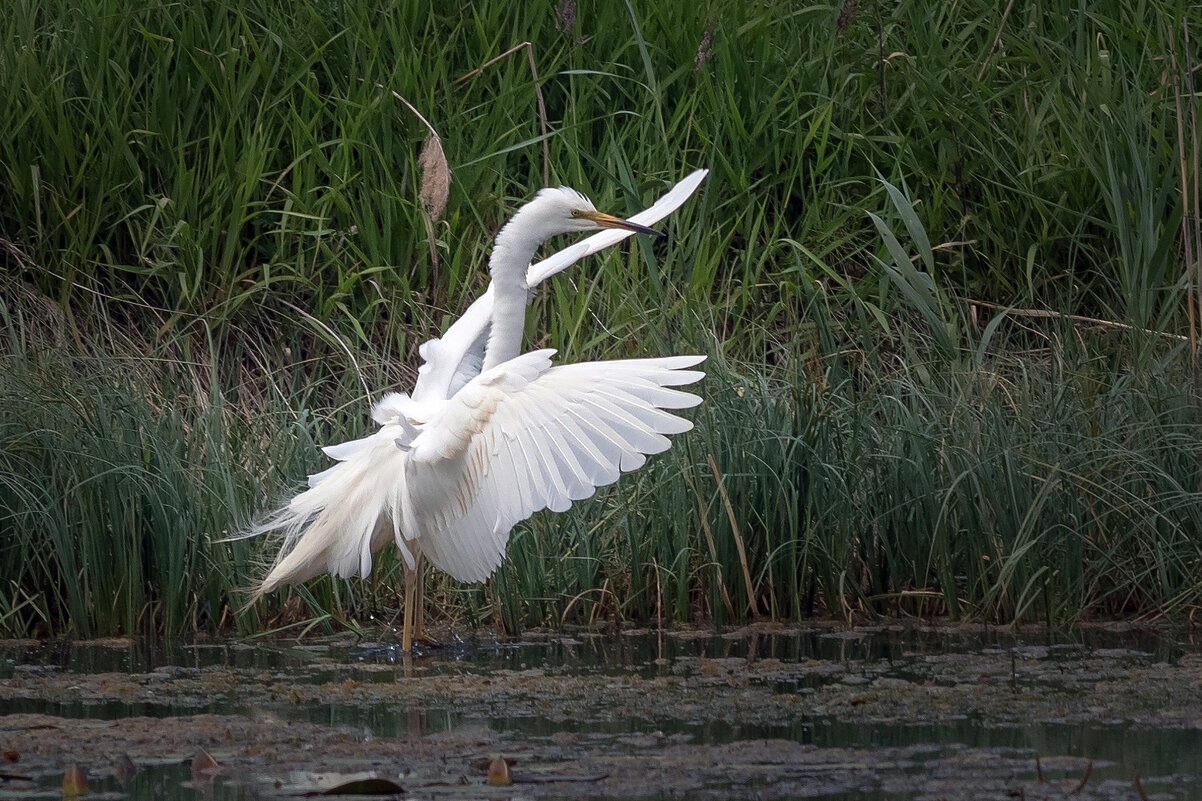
<point x="489" y="435"/>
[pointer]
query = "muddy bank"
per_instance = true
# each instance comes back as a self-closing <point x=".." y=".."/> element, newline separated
<point x="916" y="722"/>
<point x="269" y="759"/>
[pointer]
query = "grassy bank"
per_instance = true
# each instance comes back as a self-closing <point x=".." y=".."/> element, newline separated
<point x="214" y="246"/>
<point x="1045" y="487"/>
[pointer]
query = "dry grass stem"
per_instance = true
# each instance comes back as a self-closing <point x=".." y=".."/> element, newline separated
<point x="703" y="519"/>
<point x="1187" y="212"/>
<point x="538" y="93"/>
<point x="997" y="40"/>
<point x="1075" y="318"/>
<point x="752" y="607"/>
<point x="335" y="338"/>
<point x="1084" y="780"/>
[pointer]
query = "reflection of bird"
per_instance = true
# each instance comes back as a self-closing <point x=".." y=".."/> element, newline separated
<point x="490" y="435"/>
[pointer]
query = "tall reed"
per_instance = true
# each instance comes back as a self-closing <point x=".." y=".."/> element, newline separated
<point x="215" y="252"/>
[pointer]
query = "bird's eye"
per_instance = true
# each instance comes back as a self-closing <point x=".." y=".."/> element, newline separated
<point x="577" y="213"/>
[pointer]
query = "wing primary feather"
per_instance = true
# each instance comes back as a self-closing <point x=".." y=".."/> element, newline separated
<point x="581" y="488"/>
<point x="601" y="437"/>
<point x="653" y="418"/>
<point x="555" y="491"/>
<point x="654" y="395"/>
<point x="604" y="469"/>
<point x="635" y="434"/>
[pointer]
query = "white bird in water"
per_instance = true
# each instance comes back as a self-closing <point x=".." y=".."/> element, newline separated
<point x="490" y="435"/>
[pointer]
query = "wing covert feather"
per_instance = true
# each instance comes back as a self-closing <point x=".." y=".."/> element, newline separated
<point x="526" y="436"/>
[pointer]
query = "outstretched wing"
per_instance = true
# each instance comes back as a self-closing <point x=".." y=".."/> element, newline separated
<point x="525" y="436"/>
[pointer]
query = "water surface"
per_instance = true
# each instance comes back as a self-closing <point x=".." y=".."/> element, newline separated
<point x="765" y="712"/>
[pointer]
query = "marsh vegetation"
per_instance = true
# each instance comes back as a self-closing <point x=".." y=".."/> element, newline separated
<point x="945" y="265"/>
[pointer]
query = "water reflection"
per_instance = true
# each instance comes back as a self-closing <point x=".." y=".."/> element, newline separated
<point x="1119" y="751"/>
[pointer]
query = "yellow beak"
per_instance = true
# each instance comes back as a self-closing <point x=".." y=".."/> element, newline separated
<point x="610" y="221"/>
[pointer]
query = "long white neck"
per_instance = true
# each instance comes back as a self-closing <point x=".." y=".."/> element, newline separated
<point x="511" y="255"/>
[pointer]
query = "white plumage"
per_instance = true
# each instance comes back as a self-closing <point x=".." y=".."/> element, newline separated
<point x="526" y="436"/>
<point x="489" y="437"/>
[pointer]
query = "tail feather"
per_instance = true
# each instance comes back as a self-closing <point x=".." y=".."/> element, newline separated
<point x="344" y="517"/>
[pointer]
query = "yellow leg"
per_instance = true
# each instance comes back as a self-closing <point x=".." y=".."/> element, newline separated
<point x="419" y="611"/>
<point x="407" y="611"/>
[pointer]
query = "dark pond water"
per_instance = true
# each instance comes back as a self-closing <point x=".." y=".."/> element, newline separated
<point x="903" y="713"/>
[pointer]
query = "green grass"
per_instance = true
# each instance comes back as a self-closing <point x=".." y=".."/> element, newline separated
<point x="210" y="225"/>
<point x="211" y="159"/>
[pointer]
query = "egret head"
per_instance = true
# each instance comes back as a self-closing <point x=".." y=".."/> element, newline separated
<point x="561" y="210"/>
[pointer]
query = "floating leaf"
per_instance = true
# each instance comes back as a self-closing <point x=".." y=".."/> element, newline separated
<point x="498" y="773"/>
<point x="125" y="769"/>
<point x="204" y="766"/>
<point x="203" y="761"/>
<point x="366" y="787"/>
<point x="75" y="782"/>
